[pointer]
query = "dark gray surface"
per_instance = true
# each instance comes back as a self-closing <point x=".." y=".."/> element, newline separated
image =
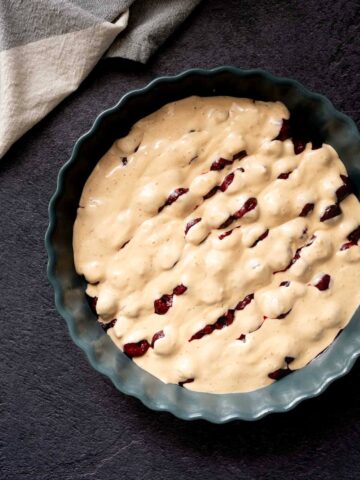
<point x="62" y="420"/>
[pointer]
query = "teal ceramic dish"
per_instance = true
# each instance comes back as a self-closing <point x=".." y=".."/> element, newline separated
<point x="312" y="113"/>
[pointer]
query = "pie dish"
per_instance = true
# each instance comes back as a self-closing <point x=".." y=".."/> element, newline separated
<point x="307" y="109"/>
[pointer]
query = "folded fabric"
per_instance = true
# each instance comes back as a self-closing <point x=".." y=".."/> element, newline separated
<point x="47" y="47"/>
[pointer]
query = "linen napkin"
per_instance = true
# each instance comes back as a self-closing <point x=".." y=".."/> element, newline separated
<point x="47" y="47"/>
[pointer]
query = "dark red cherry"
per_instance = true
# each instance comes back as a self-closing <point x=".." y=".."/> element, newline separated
<point x="108" y="325"/>
<point x="226" y="234"/>
<point x="307" y="208"/>
<point x="227" y="222"/>
<point x="262" y="237"/>
<point x="189" y="380"/>
<point x="239" y="155"/>
<point x="289" y="360"/>
<point x="201" y="333"/>
<point x="323" y="283"/>
<point x="354" y="236"/>
<point x="156" y="336"/>
<point x="345" y="189"/>
<point x="174" y="196"/>
<point x="227" y="181"/>
<point x="347" y="245"/>
<point x="297" y="254"/>
<point x="245" y="301"/>
<point x="179" y="289"/>
<point x="191" y="223"/>
<point x="211" y="193"/>
<point x="284" y="132"/>
<point x="330" y="212"/>
<point x="299" y="146"/>
<point x="284" y="176"/>
<point x="249" y="205"/>
<point x="278" y="374"/>
<point x="225" y="320"/>
<point x="136" y="349"/>
<point x="162" y="304"/>
<point x="220" y="164"/>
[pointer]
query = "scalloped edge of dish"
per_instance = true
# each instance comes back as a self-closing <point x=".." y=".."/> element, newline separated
<point x="328" y="374"/>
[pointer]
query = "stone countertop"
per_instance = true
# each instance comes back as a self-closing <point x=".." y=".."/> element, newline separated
<point x="62" y="420"/>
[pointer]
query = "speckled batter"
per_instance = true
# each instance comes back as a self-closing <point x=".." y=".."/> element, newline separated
<point x="225" y="256"/>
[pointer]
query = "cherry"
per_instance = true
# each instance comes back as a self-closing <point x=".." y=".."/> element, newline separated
<point x="108" y="325"/>
<point x="284" y="132"/>
<point x="262" y="236"/>
<point x="225" y="320"/>
<point x="354" y="236"/>
<point x="284" y="176"/>
<point x="347" y="245"/>
<point x="201" y="333"/>
<point x="239" y="156"/>
<point x="299" y="146"/>
<point x="220" y="164"/>
<point x="323" y="283"/>
<point x="278" y="374"/>
<point x="221" y="322"/>
<point x="226" y="234"/>
<point x="180" y="289"/>
<point x="156" y="336"/>
<point x="226" y="182"/>
<point x="330" y="212"/>
<point x="162" y="304"/>
<point x="297" y="255"/>
<point x="307" y="208"/>
<point x="211" y="192"/>
<point x="136" y="349"/>
<point x="173" y="197"/>
<point x="245" y="301"/>
<point x="189" y="380"/>
<point x="190" y="224"/>
<point x="227" y="222"/>
<point x="249" y="205"/>
<point x="345" y="189"/>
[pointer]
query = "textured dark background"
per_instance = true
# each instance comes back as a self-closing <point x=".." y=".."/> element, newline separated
<point x="62" y="420"/>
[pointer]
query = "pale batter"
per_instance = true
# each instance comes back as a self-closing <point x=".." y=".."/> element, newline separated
<point x="219" y="257"/>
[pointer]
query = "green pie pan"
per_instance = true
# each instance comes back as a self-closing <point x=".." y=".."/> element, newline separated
<point x="313" y="114"/>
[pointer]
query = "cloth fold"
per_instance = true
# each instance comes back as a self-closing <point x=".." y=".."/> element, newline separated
<point x="47" y="47"/>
